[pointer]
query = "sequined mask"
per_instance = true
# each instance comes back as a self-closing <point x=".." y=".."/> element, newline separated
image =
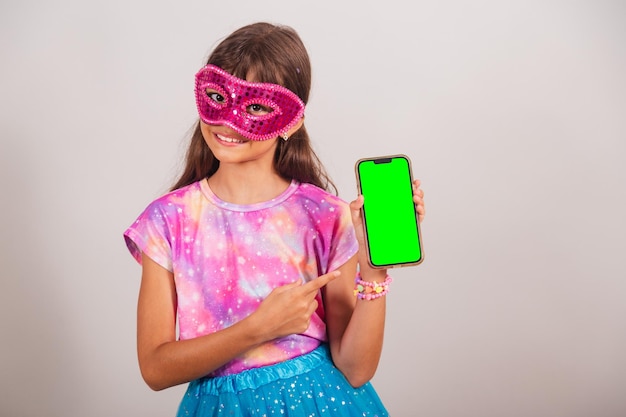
<point x="257" y="111"/>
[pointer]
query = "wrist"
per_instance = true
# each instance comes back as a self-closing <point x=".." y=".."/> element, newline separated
<point x="371" y="290"/>
<point x="372" y="275"/>
<point x="255" y="330"/>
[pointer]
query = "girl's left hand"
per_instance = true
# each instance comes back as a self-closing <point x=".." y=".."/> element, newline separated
<point x="418" y="199"/>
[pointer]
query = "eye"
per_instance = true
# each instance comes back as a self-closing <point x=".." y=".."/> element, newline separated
<point x="215" y="96"/>
<point x="258" y="109"/>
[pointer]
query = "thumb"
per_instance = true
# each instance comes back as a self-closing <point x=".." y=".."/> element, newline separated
<point x="356" y="205"/>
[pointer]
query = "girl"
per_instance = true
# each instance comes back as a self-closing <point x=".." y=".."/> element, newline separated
<point x="254" y="256"/>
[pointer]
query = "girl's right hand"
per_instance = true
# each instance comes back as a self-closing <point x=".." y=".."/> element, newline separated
<point x="288" y="309"/>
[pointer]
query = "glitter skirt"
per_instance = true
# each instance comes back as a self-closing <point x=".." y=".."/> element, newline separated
<point x="309" y="385"/>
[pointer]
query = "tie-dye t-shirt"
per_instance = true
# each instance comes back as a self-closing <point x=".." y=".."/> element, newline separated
<point x="226" y="258"/>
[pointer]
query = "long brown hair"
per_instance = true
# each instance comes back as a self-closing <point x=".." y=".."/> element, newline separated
<point x="275" y="54"/>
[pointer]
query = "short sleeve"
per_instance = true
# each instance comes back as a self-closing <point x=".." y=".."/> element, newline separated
<point x="151" y="235"/>
<point x="344" y="243"/>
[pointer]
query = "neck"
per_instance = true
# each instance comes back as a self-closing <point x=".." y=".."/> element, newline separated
<point x="246" y="186"/>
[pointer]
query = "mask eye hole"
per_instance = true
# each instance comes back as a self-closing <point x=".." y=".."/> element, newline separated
<point x="261" y="108"/>
<point x="215" y="96"/>
<point x="256" y="109"/>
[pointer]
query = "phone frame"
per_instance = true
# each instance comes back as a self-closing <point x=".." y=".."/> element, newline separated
<point x="363" y="215"/>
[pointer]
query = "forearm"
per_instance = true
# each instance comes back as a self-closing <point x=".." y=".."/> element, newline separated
<point x="357" y="352"/>
<point x="361" y="346"/>
<point x="176" y="362"/>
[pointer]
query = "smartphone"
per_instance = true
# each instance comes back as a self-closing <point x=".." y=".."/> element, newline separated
<point x="392" y="233"/>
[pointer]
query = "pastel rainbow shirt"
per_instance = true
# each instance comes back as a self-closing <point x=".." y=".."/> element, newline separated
<point x="227" y="258"/>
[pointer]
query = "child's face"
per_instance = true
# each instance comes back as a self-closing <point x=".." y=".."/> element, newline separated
<point x="256" y="111"/>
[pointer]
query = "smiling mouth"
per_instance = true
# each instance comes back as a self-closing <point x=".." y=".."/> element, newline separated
<point x="228" y="139"/>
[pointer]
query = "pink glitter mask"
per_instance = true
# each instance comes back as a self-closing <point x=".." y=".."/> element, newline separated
<point x="257" y="111"/>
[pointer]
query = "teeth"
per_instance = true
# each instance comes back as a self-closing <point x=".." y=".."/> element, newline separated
<point x="229" y="140"/>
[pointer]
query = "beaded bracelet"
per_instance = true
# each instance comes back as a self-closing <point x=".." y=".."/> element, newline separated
<point x="367" y="290"/>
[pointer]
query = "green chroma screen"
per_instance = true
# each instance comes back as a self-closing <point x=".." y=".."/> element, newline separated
<point x="389" y="211"/>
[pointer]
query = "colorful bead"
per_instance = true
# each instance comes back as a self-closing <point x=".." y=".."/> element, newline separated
<point x="366" y="290"/>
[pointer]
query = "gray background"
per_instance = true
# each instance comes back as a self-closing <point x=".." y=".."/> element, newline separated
<point x="514" y="114"/>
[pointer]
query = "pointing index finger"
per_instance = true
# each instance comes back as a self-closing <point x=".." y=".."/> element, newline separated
<point x="315" y="284"/>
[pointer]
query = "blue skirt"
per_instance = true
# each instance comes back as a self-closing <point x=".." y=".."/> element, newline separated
<point x="309" y="385"/>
